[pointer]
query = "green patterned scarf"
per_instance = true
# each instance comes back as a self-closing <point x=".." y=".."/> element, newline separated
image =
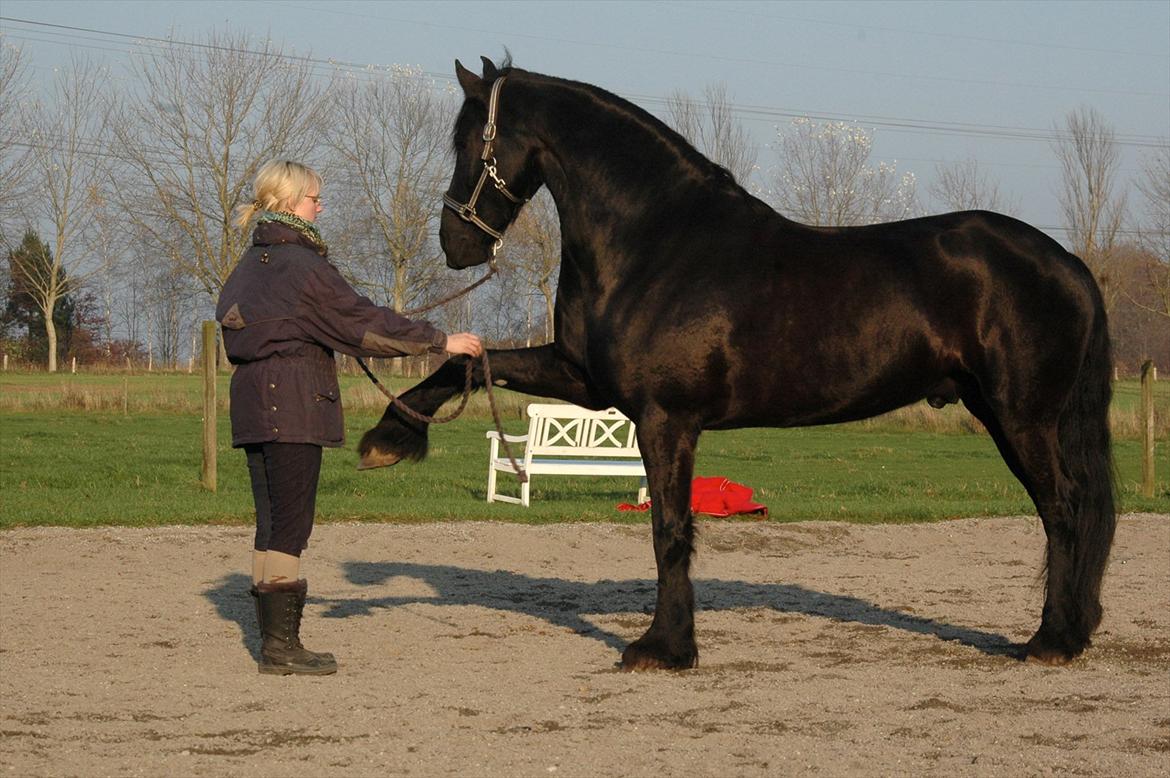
<point x="308" y="229"/>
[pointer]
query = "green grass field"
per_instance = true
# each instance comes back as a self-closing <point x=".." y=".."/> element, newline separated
<point x="182" y="393"/>
<point x="67" y="465"/>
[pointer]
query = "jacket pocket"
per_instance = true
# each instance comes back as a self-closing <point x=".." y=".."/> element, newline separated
<point x="325" y="411"/>
<point x="323" y="382"/>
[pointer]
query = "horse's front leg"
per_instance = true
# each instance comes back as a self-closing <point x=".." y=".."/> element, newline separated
<point x="668" y="449"/>
<point x="540" y="371"/>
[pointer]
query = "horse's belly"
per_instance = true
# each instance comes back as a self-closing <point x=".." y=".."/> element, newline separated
<point x="785" y="413"/>
<point x="814" y="395"/>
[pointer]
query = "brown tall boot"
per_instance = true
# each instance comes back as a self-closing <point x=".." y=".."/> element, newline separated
<point x="278" y="608"/>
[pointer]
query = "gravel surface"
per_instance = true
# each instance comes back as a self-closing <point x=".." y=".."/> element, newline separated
<point x="490" y="649"/>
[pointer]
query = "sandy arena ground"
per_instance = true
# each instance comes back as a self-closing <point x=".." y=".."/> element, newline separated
<point x="491" y="649"/>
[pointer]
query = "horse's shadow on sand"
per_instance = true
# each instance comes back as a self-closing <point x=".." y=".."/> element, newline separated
<point x="566" y="603"/>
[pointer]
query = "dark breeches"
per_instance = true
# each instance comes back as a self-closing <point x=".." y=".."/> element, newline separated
<point x="284" y="488"/>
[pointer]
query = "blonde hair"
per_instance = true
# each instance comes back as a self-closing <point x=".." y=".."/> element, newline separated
<point x="279" y="186"/>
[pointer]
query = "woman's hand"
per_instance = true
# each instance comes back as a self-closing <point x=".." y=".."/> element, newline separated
<point x="464" y="343"/>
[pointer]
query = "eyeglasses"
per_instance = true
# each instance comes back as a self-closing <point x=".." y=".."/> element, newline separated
<point x="315" y="198"/>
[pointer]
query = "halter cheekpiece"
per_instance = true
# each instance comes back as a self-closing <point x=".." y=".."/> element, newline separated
<point x="466" y="210"/>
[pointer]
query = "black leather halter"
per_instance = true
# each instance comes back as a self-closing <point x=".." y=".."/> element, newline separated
<point x="466" y="210"/>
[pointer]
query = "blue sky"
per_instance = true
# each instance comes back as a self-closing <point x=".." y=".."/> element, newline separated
<point x="935" y="81"/>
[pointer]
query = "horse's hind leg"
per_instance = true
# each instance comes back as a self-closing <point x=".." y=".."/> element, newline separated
<point x="1068" y="619"/>
<point x="1072" y="609"/>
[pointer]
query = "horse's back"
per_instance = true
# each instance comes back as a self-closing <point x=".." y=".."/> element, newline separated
<point x="964" y="269"/>
<point x="831" y="324"/>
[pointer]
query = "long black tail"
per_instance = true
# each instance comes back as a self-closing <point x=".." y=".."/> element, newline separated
<point x="1087" y="453"/>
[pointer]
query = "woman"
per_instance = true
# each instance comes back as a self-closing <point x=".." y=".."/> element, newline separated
<point x="284" y="310"/>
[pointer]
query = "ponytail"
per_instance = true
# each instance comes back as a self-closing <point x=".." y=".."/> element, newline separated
<point x="246" y="213"/>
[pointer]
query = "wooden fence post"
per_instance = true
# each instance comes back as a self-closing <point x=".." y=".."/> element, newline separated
<point x="1149" y="375"/>
<point x="209" y="421"/>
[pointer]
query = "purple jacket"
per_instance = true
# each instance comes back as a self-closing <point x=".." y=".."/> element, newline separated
<point x="284" y="310"/>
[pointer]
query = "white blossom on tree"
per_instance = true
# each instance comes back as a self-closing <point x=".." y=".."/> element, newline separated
<point x="824" y="177"/>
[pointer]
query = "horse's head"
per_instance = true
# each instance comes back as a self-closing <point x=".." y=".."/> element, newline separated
<point x="495" y="171"/>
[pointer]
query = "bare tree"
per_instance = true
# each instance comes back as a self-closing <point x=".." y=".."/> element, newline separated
<point x="1154" y="236"/>
<point x="1089" y="161"/>
<point x="66" y="141"/>
<point x="170" y="307"/>
<point x="390" y="147"/>
<point x="129" y="299"/>
<point x="824" y="177"/>
<point x="501" y="309"/>
<point x="962" y="186"/>
<point x="14" y="151"/>
<point x="109" y="241"/>
<point x="195" y="133"/>
<point x="534" y="254"/>
<point x="710" y="125"/>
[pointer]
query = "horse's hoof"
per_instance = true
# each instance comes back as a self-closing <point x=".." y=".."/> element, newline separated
<point x="373" y="459"/>
<point x="640" y="656"/>
<point x="390" y="442"/>
<point x="1039" y="650"/>
<point x="1053" y="659"/>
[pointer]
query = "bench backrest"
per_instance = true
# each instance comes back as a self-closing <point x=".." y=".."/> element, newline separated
<point x="570" y="430"/>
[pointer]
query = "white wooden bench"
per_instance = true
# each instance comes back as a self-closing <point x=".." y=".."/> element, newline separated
<point x="568" y="440"/>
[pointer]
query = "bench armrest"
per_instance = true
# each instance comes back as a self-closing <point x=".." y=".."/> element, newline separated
<point x="493" y="435"/>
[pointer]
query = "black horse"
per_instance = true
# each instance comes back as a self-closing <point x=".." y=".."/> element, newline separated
<point x="689" y="304"/>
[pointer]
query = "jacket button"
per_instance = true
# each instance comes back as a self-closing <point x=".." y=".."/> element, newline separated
<point x="272" y="386"/>
<point x="274" y="407"/>
<point x="276" y="429"/>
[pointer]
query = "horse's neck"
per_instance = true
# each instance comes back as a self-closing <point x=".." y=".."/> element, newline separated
<point x="584" y="167"/>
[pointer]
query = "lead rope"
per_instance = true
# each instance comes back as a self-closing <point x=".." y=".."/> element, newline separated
<point x="521" y="475"/>
<point x="492" y="270"/>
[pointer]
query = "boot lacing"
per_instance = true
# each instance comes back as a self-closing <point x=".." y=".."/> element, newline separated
<point x="293" y="615"/>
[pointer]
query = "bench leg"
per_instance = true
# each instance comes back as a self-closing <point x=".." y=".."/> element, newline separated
<point x="493" y="451"/>
<point x="491" y="492"/>
<point x="524" y="491"/>
<point x="643" y="494"/>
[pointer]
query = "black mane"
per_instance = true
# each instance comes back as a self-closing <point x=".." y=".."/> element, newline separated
<point x="686" y="154"/>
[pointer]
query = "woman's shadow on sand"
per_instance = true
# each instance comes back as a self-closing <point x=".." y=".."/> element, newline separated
<point x="566" y="603"/>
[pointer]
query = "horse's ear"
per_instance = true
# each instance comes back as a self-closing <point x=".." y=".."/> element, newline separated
<point x="471" y="83"/>
<point x="489" y="69"/>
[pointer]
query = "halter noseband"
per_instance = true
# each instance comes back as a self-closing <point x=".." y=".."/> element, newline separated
<point x="466" y="210"/>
